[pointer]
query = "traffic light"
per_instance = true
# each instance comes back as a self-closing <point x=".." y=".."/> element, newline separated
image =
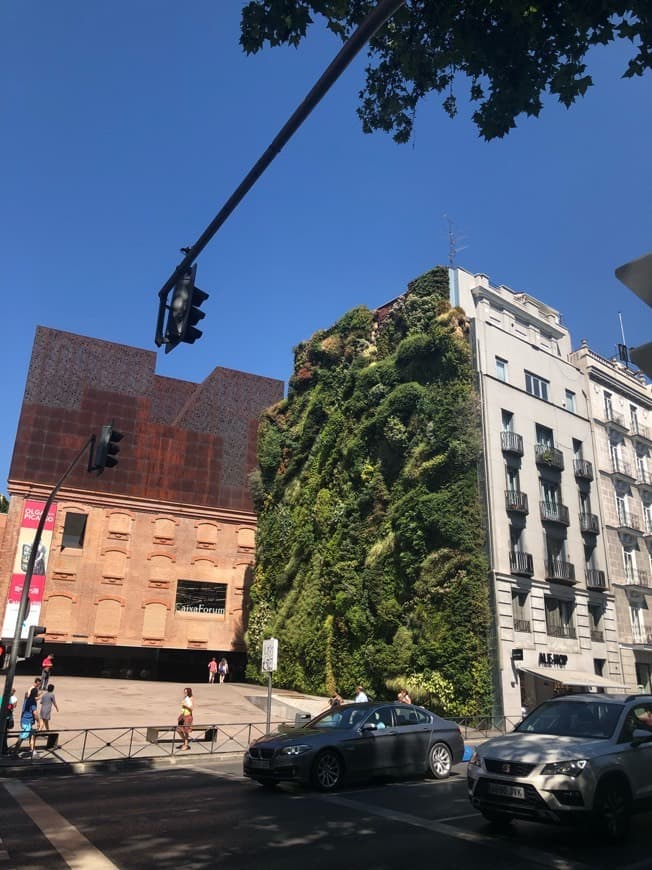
<point x="4" y="652"/>
<point x="106" y="452"/>
<point x="184" y="313"/>
<point x="34" y="642"/>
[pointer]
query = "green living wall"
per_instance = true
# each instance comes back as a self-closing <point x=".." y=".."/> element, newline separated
<point x="370" y="564"/>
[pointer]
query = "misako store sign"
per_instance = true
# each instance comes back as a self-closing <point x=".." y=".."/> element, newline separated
<point x="31" y="515"/>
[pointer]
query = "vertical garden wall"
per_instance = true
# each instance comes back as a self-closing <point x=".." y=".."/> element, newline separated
<point x="370" y="562"/>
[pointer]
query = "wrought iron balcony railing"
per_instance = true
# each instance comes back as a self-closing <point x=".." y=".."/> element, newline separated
<point x="583" y="469"/>
<point x="521" y="563"/>
<point x="511" y="442"/>
<point x="551" y="512"/>
<point x="516" y="501"/>
<point x="595" y="579"/>
<point x="546" y="455"/>
<point x="561" y="631"/>
<point x="522" y="625"/>
<point x="590" y="523"/>
<point x="557" y="569"/>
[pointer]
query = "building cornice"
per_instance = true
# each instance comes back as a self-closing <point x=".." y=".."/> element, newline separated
<point x="27" y="489"/>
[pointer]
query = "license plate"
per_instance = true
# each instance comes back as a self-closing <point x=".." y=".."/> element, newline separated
<point x="512" y="791"/>
<point x="261" y="763"/>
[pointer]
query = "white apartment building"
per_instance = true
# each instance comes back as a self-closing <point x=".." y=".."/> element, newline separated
<point x="553" y="606"/>
<point x="620" y="405"/>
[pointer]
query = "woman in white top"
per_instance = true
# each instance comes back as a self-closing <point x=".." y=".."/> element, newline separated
<point x="185" y="719"/>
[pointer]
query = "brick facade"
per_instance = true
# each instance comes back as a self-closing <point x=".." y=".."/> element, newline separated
<point x="176" y="506"/>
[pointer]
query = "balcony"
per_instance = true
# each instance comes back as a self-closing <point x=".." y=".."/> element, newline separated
<point x="510" y="442"/>
<point x="635" y="577"/>
<point x="554" y="513"/>
<point x="597" y="635"/>
<point x="615" y="421"/>
<point x="640" y="433"/>
<point x="622" y="469"/>
<point x="644" y="478"/>
<point x="522" y="625"/>
<point x="516" y="501"/>
<point x="549" y="456"/>
<point x="629" y="522"/>
<point x="561" y="631"/>
<point x="521" y="563"/>
<point x="583" y="469"/>
<point x="595" y="579"/>
<point x="641" y="637"/>
<point x="556" y="569"/>
<point x="589" y="524"/>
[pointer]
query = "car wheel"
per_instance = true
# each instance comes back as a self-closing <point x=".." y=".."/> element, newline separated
<point x="440" y="761"/>
<point x="497" y="820"/>
<point x="612" y="811"/>
<point x="327" y="771"/>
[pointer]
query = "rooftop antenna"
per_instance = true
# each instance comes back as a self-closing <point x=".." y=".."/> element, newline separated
<point x="453" y="241"/>
<point x="623" y="353"/>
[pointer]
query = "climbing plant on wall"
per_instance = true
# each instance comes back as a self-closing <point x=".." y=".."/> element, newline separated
<point x="370" y="564"/>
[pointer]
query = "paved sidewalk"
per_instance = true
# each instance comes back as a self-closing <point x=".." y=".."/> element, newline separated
<point x="89" y="702"/>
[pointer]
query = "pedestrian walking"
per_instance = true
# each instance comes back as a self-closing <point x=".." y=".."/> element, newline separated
<point x="46" y="668"/>
<point x="360" y="695"/>
<point x="223" y="669"/>
<point x="212" y="670"/>
<point x="28" y="722"/>
<point x="184" y="722"/>
<point x="48" y="701"/>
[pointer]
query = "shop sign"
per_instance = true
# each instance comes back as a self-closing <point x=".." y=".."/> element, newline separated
<point x="557" y="660"/>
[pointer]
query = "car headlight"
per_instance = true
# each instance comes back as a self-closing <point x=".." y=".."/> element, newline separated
<point x="297" y="749"/>
<point x="565" y="768"/>
<point x="475" y="760"/>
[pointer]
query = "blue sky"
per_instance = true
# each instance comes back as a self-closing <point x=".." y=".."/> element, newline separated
<point x="128" y="124"/>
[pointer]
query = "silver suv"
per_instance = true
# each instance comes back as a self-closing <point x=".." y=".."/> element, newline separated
<point x="579" y="757"/>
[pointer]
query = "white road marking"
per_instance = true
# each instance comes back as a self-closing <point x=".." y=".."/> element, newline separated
<point x="78" y="852"/>
<point x="534" y="856"/>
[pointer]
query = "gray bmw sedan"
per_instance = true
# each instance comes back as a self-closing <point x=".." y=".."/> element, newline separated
<point x="357" y="741"/>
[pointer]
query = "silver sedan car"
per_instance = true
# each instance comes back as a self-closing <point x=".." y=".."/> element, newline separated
<point x="357" y="741"/>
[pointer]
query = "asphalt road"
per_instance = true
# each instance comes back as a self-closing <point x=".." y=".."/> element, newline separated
<point x="200" y="814"/>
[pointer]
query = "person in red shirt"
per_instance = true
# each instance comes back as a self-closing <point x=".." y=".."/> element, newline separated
<point x="46" y="667"/>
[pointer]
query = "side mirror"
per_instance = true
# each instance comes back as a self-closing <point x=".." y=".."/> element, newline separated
<point x="640" y="735"/>
<point x="368" y="726"/>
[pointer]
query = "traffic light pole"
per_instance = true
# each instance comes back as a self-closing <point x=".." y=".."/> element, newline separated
<point x="358" y="39"/>
<point x="24" y="598"/>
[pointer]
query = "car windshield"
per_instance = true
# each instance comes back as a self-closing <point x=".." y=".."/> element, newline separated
<point x="340" y="717"/>
<point x="595" y="719"/>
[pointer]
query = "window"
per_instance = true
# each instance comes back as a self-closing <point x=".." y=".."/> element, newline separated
<point x="638" y="623"/>
<point x="621" y="509"/>
<point x="544" y="436"/>
<point x="520" y="611"/>
<point x="512" y="479"/>
<point x="585" y="502"/>
<point x="629" y="564"/>
<point x="608" y="406"/>
<point x="647" y="514"/>
<point x="507" y="421"/>
<point x="598" y="667"/>
<point x="559" y="618"/>
<point x="502" y="369"/>
<point x="633" y="412"/>
<point x="197" y="597"/>
<point x="549" y="493"/>
<point x="578" y="449"/>
<point x="570" y="401"/>
<point x="536" y="386"/>
<point x="74" y="529"/>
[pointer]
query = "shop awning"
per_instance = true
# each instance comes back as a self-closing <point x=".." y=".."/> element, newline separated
<point x="572" y="678"/>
